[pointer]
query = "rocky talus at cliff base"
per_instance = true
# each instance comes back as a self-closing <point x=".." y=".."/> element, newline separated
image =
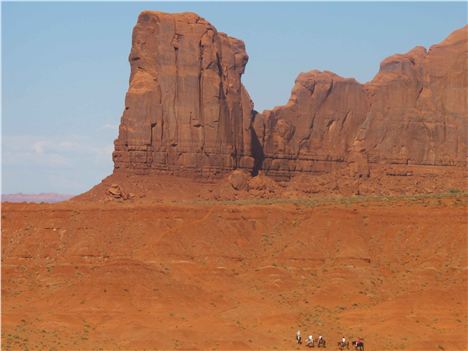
<point x="189" y="120"/>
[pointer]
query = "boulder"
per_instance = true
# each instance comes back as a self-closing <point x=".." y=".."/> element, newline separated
<point x="239" y="179"/>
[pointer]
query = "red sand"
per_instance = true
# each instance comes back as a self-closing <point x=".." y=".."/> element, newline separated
<point x="235" y="275"/>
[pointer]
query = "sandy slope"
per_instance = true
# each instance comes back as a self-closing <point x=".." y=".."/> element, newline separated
<point x="235" y="275"/>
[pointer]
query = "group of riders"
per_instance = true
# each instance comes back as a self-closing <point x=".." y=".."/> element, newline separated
<point x="342" y="344"/>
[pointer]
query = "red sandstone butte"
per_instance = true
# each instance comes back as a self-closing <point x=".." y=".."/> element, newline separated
<point x="413" y="113"/>
<point x="186" y="110"/>
<point x="188" y="114"/>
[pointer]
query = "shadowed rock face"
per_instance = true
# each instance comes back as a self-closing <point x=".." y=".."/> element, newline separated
<point x="186" y="110"/>
<point x="188" y="113"/>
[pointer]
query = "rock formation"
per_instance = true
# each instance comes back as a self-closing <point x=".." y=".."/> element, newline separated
<point x="414" y="112"/>
<point x="315" y="131"/>
<point x="187" y="112"/>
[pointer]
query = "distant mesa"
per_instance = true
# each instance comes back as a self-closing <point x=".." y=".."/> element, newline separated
<point x="187" y="114"/>
<point x="43" y="197"/>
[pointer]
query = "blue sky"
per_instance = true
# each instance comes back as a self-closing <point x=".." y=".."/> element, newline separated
<point x="65" y="69"/>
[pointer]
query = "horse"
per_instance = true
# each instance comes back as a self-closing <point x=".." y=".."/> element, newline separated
<point x="310" y="342"/>
<point x="321" y="343"/>
<point x="342" y="345"/>
<point x="358" y="345"/>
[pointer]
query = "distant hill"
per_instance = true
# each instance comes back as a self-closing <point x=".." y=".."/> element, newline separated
<point x="43" y="197"/>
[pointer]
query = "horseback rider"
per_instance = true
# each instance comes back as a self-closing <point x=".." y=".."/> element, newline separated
<point x="343" y="343"/>
<point x="310" y="341"/>
<point x="359" y="344"/>
<point x="298" y="337"/>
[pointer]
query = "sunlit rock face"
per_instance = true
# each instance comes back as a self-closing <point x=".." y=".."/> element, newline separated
<point x="187" y="112"/>
<point x="414" y="112"/>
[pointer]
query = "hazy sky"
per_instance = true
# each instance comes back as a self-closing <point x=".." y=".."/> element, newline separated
<point x="65" y="69"/>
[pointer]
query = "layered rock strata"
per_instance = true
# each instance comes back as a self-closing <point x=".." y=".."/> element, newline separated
<point x="187" y="112"/>
<point x="413" y="113"/>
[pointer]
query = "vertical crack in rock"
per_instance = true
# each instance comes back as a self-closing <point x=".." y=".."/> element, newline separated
<point x="257" y="149"/>
<point x="175" y="44"/>
<point x="200" y="92"/>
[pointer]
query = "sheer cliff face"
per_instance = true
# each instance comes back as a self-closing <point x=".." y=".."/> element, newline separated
<point x="316" y="128"/>
<point x="414" y="112"/>
<point x="186" y="110"/>
<point x="419" y="106"/>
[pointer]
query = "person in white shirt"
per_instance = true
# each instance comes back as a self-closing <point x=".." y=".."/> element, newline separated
<point x="299" y="337"/>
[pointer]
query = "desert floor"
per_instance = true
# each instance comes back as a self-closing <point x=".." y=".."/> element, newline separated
<point x="236" y="274"/>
